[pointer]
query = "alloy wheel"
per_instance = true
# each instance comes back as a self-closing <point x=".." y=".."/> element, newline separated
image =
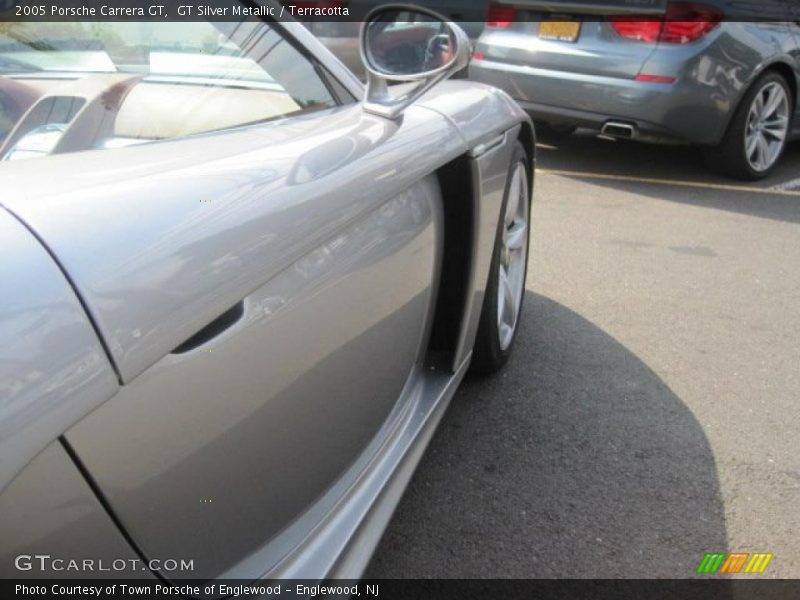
<point x="767" y="126"/>
<point x="513" y="257"/>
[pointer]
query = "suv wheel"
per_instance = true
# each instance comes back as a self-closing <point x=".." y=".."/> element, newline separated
<point x="758" y="132"/>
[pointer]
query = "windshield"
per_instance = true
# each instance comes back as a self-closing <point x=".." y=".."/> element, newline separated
<point x="156" y="81"/>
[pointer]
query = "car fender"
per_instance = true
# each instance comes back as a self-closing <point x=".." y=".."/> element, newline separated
<point x="53" y="368"/>
<point x="490" y="123"/>
<point x="773" y="55"/>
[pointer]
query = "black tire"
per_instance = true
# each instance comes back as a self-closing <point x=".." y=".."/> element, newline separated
<point x="730" y="157"/>
<point x="488" y="356"/>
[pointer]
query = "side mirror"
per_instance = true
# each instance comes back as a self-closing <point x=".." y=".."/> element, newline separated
<point x="406" y="51"/>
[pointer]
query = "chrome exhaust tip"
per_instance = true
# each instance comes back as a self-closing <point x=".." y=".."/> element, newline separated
<point x="619" y="130"/>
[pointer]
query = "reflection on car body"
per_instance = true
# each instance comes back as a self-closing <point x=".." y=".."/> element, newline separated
<point x="239" y="299"/>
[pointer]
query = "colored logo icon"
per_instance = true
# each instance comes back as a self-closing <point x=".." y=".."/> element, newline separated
<point x="737" y="562"/>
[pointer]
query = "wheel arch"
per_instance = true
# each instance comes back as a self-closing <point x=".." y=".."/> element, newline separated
<point x="527" y="136"/>
<point x="780" y="66"/>
<point x="784" y="69"/>
<point x="473" y="188"/>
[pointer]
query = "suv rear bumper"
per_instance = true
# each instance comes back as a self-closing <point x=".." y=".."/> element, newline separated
<point x="682" y="111"/>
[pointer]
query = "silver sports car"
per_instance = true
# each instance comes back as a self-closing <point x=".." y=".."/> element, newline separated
<point x="239" y="288"/>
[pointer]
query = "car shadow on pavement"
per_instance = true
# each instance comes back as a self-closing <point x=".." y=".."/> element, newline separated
<point x="575" y="461"/>
<point x="584" y="153"/>
<point x="785" y="208"/>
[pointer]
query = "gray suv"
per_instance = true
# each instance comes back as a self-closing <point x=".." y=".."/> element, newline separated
<point x="681" y="71"/>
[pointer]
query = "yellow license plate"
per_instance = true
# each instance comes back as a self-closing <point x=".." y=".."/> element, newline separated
<point x="562" y="31"/>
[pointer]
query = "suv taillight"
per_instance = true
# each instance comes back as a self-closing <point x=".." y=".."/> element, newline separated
<point x="500" y="15"/>
<point x="689" y="21"/>
<point x="684" y="22"/>
<point x="634" y="28"/>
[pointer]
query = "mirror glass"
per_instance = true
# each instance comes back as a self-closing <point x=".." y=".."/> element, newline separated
<point x="408" y="43"/>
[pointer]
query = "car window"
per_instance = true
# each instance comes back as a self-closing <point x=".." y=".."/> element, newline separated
<point x="66" y="87"/>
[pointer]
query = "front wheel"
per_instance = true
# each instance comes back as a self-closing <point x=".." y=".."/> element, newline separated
<point x="505" y="290"/>
<point x="758" y="132"/>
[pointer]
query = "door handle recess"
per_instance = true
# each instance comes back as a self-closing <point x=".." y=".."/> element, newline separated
<point x="226" y="320"/>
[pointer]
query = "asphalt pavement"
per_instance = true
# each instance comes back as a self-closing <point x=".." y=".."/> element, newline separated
<point x="651" y="410"/>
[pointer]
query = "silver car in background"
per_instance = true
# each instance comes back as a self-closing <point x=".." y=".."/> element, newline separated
<point x="679" y="71"/>
<point x="239" y="288"/>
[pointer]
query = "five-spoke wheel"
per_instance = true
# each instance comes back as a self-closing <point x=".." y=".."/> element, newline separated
<point x="513" y="257"/>
<point x="505" y="290"/>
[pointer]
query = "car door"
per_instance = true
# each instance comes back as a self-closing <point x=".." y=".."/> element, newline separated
<point x="259" y="256"/>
